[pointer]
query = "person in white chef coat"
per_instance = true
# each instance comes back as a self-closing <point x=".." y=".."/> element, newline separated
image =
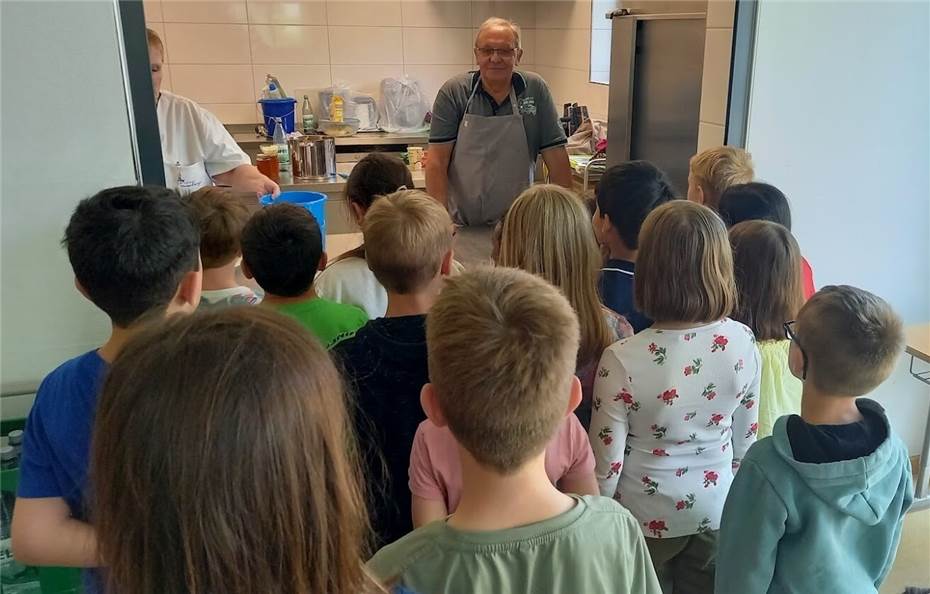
<point x="196" y="149"/>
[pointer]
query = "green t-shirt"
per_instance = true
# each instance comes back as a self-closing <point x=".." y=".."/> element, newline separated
<point x="327" y="320"/>
<point x="597" y="546"/>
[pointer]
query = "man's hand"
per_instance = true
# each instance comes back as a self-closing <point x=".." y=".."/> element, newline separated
<point x="44" y="533"/>
<point x="247" y="178"/>
<point x="560" y="171"/>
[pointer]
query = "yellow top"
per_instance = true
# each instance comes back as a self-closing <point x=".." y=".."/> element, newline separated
<point x="779" y="390"/>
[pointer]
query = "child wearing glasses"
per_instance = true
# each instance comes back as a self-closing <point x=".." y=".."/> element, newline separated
<point x="766" y="263"/>
<point x="676" y="405"/>
<point x="818" y="506"/>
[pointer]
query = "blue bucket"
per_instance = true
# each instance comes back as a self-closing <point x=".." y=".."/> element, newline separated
<point x="272" y="109"/>
<point x="315" y="202"/>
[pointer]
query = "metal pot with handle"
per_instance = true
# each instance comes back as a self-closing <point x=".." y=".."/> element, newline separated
<point x="314" y="157"/>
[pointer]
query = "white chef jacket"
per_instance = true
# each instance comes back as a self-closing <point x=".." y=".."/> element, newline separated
<point x="194" y="144"/>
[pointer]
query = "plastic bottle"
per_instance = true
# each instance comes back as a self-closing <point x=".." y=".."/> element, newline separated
<point x="273" y="89"/>
<point x="337" y="109"/>
<point x="309" y="120"/>
<point x="280" y="141"/>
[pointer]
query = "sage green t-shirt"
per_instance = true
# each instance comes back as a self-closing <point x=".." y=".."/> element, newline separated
<point x="327" y="320"/>
<point x="597" y="546"/>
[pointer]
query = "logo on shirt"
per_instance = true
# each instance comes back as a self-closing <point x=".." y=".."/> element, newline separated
<point x="528" y="105"/>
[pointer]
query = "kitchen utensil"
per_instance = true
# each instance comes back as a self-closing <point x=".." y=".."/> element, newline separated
<point x="348" y="127"/>
<point x="314" y="157"/>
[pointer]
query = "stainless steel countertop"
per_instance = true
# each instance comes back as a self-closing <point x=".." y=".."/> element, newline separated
<point x="337" y="184"/>
<point x="362" y="138"/>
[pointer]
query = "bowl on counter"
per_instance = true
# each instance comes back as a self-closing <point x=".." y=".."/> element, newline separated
<point x="348" y="127"/>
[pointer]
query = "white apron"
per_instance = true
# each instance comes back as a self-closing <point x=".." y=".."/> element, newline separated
<point x="490" y="165"/>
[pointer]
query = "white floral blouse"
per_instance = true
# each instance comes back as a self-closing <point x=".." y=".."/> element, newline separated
<point x="674" y="412"/>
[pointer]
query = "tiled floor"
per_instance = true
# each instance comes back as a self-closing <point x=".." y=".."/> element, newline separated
<point x="912" y="564"/>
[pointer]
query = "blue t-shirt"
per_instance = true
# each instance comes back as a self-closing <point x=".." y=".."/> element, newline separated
<point x="56" y="444"/>
<point x="616" y="287"/>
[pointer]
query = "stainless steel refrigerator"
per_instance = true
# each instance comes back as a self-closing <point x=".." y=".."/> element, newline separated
<point x="656" y="65"/>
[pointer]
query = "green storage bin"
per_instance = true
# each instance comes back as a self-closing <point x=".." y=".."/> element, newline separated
<point x="52" y="580"/>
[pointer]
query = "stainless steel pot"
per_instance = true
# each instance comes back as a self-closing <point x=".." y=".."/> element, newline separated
<point x="313" y="157"/>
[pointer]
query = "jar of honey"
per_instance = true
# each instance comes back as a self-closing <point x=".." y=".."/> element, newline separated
<point x="268" y="165"/>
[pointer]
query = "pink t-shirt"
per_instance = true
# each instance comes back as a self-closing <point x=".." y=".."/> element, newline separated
<point x="436" y="472"/>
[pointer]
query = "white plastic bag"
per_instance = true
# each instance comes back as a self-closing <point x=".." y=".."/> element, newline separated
<point x="403" y="105"/>
<point x="326" y="97"/>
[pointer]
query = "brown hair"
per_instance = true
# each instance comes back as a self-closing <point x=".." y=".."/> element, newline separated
<point x="548" y="232"/>
<point x="767" y="267"/>
<point x="852" y="340"/>
<point x="223" y="461"/>
<point x="684" y="269"/>
<point x="221" y="217"/>
<point x="376" y="175"/>
<point x="504" y="340"/>
<point x="407" y="234"/>
<point x="716" y="169"/>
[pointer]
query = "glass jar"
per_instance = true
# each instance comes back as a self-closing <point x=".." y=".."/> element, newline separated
<point x="268" y="165"/>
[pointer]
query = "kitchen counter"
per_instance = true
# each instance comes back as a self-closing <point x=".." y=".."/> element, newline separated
<point x="336" y="184"/>
<point x="360" y="139"/>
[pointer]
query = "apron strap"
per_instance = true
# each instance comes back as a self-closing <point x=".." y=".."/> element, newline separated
<point x="515" y="110"/>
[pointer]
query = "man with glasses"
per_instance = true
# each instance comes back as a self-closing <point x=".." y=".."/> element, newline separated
<point x="488" y="127"/>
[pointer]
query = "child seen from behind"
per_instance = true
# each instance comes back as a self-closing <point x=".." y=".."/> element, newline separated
<point x="502" y="349"/>
<point x="713" y="170"/>
<point x="675" y="406"/>
<point x="760" y="201"/>
<point x="818" y="506"/>
<point x="282" y="249"/>
<point x="547" y="232"/>
<point x="134" y="252"/>
<point x="348" y="279"/>
<point x="408" y="240"/>
<point x="229" y="430"/>
<point x="766" y="263"/>
<point x="221" y="216"/>
<point x="626" y="194"/>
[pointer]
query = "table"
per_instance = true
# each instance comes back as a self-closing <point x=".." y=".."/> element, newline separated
<point x="918" y="348"/>
<point x="472" y="245"/>
<point x="339" y="243"/>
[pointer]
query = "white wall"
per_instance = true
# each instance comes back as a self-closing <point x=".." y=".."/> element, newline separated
<point x="65" y="135"/>
<point x="840" y="121"/>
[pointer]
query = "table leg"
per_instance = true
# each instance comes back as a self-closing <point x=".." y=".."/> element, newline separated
<point x="921" y="498"/>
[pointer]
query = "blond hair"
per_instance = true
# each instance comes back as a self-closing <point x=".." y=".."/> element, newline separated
<point x="852" y="339"/>
<point x="498" y="22"/>
<point x="716" y="169"/>
<point x="548" y="232"/>
<point x="407" y="235"/>
<point x="502" y="340"/>
<point x="155" y="41"/>
<point x="684" y="269"/>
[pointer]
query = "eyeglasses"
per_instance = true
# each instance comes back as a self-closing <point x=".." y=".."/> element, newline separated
<point x="503" y="54"/>
<point x="793" y="337"/>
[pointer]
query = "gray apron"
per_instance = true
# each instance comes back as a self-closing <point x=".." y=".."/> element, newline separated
<point x="490" y="165"/>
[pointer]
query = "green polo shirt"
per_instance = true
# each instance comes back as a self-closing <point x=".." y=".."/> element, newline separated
<point x="540" y="115"/>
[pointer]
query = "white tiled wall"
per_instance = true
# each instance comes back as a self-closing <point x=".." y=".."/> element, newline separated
<point x="563" y="52"/>
<point x="219" y="52"/>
